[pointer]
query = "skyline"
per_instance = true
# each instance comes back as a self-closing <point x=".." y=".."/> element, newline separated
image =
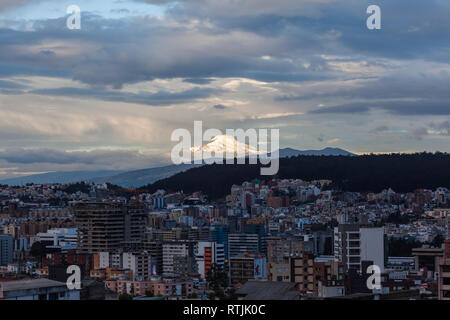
<point x="109" y="95"/>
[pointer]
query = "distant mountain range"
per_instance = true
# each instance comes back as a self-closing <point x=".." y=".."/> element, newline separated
<point x="289" y="152"/>
<point x="138" y="178"/>
<point x="142" y="177"/>
<point x="59" y="177"/>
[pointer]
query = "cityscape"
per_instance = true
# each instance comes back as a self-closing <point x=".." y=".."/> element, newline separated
<point x="224" y="158"/>
<point x="279" y="239"/>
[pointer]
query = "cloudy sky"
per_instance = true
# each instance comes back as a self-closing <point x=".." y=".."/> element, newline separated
<point x="108" y="96"/>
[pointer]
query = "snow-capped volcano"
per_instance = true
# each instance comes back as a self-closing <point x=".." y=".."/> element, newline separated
<point x="222" y="144"/>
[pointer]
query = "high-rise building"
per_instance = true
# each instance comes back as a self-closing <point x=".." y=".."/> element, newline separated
<point x="6" y="249"/>
<point x="354" y="244"/>
<point x="260" y="230"/>
<point x="278" y="255"/>
<point x="240" y="243"/>
<point x="139" y="263"/>
<point x="250" y="266"/>
<point x="208" y="256"/>
<point x="108" y="226"/>
<point x="179" y="257"/>
<point x="219" y="234"/>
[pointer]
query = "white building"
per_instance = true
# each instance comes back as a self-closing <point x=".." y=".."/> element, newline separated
<point x="64" y="238"/>
<point x="354" y="244"/>
<point x="139" y="263"/>
<point x="209" y="254"/>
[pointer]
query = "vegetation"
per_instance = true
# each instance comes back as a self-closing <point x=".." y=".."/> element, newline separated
<point x="37" y="251"/>
<point x="367" y="173"/>
<point x="125" y="296"/>
<point x="402" y="247"/>
<point x="81" y="187"/>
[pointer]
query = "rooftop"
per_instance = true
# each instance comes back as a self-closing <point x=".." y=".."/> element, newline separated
<point x="30" y="284"/>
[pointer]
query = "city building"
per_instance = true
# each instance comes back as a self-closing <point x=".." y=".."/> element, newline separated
<point x="38" y="289"/>
<point x="179" y="257"/>
<point x="248" y="267"/>
<point x="240" y="243"/>
<point x="6" y="249"/>
<point x="444" y="273"/>
<point x="354" y="244"/>
<point x="209" y="255"/>
<point x="108" y="226"/>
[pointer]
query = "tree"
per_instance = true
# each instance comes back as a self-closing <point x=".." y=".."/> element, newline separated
<point x="402" y="247"/>
<point x="149" y="294"/>
<point x="37" y="251"/>
<point x="217" y="277"/>
<point x="193" y="295"/>
<point x="125" y="296"/>
<point x="437" y="241"/>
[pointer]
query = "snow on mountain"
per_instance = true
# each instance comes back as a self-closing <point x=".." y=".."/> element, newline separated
<point x="221" y="144"/>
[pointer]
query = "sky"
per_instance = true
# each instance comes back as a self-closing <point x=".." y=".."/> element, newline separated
<point x="108" y="96"/>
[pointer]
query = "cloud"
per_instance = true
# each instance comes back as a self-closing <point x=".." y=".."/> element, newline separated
<point x="419" y="133"/>
<point x="8" y="4"/>
<point x="199" y="81"/>
<point x="442" y="128"/>
<point x="379" y="129"/>
<point x="161" y="98"/>
<point x="336" y="140"/>
<point x="44" y="159"/>
<point x="220" y="107"/>
<point x="402" y="108"/>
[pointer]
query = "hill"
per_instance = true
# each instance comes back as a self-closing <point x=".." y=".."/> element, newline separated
<point x="366" y="173"/>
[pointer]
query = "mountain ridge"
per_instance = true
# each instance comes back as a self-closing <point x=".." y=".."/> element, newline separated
<point x="141" y="177"/>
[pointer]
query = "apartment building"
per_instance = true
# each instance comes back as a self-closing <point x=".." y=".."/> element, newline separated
<point x="6" y="249"/>
<point x="179" y="257"/>
<point x="354" y="243"/>
<point x="108" y="226"/>
<point x="241" y="243"/>
<point x="250" y="266"/>
<point x="208" y="255"/>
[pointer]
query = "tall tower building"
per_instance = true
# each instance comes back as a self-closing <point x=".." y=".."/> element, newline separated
<point x="108" y="226"/>
<point x="6" y="249"/>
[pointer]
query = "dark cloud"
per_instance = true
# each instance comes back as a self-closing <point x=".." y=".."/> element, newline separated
<point x="229" y="40"/>
<point x="220" y="107"/>
<point x="7" y="84"/>
<point x="379" y="129"/>
<point x="160" y="98"/>
<point x="403" y="108"/>
<point x="419" y="133"/>
<point x="409" y="86"/>
<point x="45" y="159"/>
